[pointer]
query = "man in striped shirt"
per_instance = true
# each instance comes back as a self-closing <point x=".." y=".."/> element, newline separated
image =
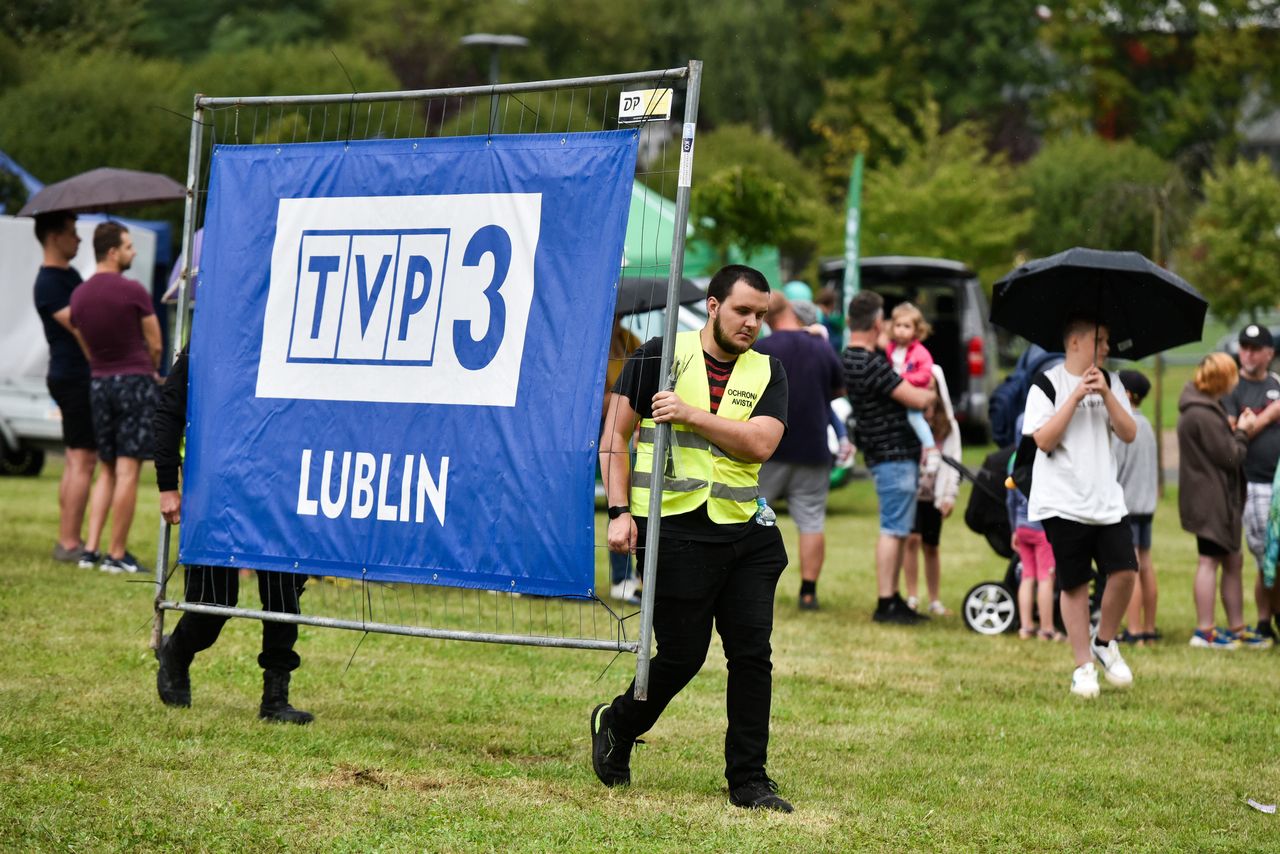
<point x="880" y="401"/>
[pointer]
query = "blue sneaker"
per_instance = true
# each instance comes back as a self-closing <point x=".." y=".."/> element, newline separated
<point x="1214" y="639"/>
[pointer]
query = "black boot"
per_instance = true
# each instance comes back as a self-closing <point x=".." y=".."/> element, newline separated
<point x="173" y="680"/>
<point x="275" y="700"/>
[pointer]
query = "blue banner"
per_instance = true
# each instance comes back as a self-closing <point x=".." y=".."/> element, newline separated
<point x="398" y="358"/>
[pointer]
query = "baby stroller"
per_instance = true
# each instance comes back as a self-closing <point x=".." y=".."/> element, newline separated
<point x="991" y="607"/>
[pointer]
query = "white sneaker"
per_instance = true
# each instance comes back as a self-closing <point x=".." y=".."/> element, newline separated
<point x="627" y="590"/>
<point x="1113" y="665"/>
<point x="913" y="603"/>
<point x="1084" y="681"/>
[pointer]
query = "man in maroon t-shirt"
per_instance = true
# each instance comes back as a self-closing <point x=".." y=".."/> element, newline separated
<point x="115" y="318"/>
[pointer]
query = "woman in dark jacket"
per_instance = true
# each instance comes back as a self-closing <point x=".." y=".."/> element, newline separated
<point x="1211" y="491"/>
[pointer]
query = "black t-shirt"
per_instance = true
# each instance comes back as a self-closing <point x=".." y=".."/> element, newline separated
<point x="52" y="294"/>
<point x="882" y="431"/>
<point x="639" y="383"/>
<point x="1264" y="450"/>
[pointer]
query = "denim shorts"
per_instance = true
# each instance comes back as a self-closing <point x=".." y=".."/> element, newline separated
<point x="896" y="485"/>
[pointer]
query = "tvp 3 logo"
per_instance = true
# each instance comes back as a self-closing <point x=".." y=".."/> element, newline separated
<point x="412" y="299"/>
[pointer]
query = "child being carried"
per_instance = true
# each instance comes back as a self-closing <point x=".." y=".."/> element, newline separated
<point x="913" y="362"/>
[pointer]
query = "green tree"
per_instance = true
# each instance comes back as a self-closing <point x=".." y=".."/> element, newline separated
<point x="1234" y="254"/>
<point x="82" y="111"/>
<point x="52" y="26"/>
<point x="742" y="207"/>
<point x="872" y="86"/>
<point x="185" y="30"/>
<point x="948" y="197"/>
<point x="1090" y="192"/>
<point x="115" y="109"/>
<point x="1176" y="77"/>
<point x="732" y="156"/>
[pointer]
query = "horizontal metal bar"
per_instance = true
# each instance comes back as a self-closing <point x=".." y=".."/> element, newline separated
<point x="392" y="629"/>
<point x="454" y="92"/>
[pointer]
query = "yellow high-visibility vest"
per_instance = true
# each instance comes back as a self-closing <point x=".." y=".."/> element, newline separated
<point x="698" y="471"/>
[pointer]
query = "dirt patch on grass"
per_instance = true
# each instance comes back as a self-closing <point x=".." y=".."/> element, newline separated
<point x="354" y="777"/>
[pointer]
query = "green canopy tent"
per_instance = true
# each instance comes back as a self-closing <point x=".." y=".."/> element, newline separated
<point x="647" y="249"/>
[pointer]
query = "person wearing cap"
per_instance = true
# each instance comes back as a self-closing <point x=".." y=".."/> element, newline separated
<point x="1136" y="469"/>
<point x="1258" y="391"/>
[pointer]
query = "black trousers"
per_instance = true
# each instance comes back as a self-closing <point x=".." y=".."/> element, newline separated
<point x="731" y="586"/>
<point x="219" y="585"/>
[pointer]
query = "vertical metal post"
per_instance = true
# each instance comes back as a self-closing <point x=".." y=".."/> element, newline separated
<point x="179" y="335"/>
<point x="663" y="436"/>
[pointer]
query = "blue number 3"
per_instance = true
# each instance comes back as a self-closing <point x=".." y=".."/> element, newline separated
<point x="475" y="354"/>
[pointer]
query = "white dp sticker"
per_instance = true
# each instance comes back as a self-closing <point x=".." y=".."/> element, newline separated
<point x="645" y="105"/>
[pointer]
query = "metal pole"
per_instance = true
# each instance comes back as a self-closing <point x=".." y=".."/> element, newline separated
<point x="176" y="340"/>
<point x="666" y="74"/>
<point x="1157" y="255"/>
<point x="663" y="437"/>
<point x="618" y="645"/>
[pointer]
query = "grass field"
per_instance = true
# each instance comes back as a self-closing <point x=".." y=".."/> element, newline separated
<point x="884" y="738"/>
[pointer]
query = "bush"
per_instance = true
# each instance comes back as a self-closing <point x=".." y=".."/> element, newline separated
<point x="1235" y="239"/>
<point x="947" y="198"/>
<point x="1090" y="192"/>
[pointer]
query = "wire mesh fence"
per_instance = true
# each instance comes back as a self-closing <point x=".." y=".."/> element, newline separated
<point x="654" y="247"/>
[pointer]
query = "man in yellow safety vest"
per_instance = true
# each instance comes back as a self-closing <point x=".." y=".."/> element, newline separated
<point x="719" y="554"/>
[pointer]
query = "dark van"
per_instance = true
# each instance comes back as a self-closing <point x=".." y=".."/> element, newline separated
<point x="963" y="342"/>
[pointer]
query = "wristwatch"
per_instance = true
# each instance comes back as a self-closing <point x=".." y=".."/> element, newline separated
<point x="618" y="510"/>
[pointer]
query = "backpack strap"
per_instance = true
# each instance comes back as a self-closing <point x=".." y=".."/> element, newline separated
<point x="1042" y="382"/>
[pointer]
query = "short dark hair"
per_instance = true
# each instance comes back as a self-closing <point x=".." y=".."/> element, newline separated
<point x="106" y="237"/>
<point x="721" y="284"/>
<point x="1078" y="321"/>
<point x="51" y="223"/>
<point x="864" y="308"/>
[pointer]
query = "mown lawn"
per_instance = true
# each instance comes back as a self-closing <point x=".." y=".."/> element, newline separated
<point x="885" y="738"/>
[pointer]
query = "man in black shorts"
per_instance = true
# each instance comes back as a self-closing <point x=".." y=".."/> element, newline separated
<point x="719" y="556"/>
<point x="115" y="318"/>
<point x="68" y="377"/>
<point x="1076" y="493"/>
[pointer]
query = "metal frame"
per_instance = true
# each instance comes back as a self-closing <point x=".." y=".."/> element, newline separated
<point x="692" y="74"/>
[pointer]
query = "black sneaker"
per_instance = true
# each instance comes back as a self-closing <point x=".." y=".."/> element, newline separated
<point x="128" y="563"/>
<point x="897" y="612"/>
<point x="759" y="794"/>
<point x="610" y="755"/>
<point x="89" y="560"/>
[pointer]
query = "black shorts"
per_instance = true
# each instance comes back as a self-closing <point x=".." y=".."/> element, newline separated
<point x="1208" y="548"/>
<point x="928" y="523"/>
<point x="72" y="397"/>
<point x="123" y="406"/>
<point x="1077" y="546"/>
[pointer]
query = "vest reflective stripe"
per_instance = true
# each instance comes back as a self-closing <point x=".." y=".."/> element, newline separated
<point x="696" y="470"/>
<point x="685" y="439"/>
<point x="671" y="484"/>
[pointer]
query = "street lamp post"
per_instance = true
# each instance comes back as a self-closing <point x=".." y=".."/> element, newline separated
<point x="495" y="43"/>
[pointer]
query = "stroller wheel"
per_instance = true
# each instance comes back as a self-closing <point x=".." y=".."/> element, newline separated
<point x="990" y="609"/>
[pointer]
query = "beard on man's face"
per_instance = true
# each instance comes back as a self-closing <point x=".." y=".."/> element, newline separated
<point x="724" y="342"/>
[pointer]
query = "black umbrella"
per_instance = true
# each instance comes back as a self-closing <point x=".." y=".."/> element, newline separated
<point x="103" y="189"/>
<point x="1146" y="308"/>
<point x="647" y="293"/>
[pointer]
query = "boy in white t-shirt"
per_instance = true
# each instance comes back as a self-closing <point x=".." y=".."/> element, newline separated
<point x="1075" y="493"/>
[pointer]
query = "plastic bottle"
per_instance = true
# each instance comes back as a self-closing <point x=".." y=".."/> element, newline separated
<point x="764" y="513"/>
